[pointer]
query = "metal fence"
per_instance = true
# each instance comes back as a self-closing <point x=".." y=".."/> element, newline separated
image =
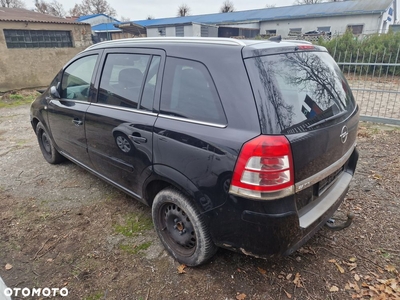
<point x="375" y="81"/>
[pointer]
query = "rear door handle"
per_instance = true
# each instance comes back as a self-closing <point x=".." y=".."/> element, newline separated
<point x="77" y="122"/>
<point x="138" y="139"/>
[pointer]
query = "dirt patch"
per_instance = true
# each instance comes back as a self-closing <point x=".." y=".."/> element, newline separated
<point x="62" y="227"/>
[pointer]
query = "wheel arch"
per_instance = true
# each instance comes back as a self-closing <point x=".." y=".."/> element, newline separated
<point x="165" y="176"/>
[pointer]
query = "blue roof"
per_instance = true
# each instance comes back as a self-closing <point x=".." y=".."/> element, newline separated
<point x="87" y="17"/>
<point x="355" y="7"/>
<point x="106" y="27"/>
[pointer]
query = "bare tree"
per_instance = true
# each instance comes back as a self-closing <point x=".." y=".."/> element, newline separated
<point x="124" y="19"/>
<point x="227" y="6"/>
<point x="53" y="8"/>
<point x="91" y="7"/>
<point x="300" y="2"/>
<point x="270" y="5"/>
<point x="12" y="3"/>
<point x="183" y="10"/>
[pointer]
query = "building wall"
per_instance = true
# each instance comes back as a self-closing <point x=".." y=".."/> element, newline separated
<point x="36" y="67"/>
<point x="372" y="24"/>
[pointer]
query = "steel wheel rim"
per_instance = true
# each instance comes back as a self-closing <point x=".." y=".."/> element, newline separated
<point x="177" y="229"/>
<point x="46" y="143"/>
<point x="123" y="143"/>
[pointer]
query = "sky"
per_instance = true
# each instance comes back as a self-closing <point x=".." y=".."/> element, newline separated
<point x="164" y="9"/>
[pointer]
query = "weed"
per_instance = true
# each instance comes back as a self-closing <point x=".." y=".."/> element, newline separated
<point x="17" y="99"/>
<point x="135" y="249"/>
<point x="134" y="225"/>
<point x="96" y="296"/>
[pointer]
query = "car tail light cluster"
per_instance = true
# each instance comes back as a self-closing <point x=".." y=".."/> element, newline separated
<point x="264" y="169"/>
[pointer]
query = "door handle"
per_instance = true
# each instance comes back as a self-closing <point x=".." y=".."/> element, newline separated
<point x="77" y="122"/>
<point x="138" y="139"/>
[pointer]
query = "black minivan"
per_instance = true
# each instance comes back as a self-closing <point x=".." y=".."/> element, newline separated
<point x="245" y="145"/>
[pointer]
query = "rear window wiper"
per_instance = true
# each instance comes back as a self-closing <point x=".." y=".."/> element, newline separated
<point x="328" y="119"/>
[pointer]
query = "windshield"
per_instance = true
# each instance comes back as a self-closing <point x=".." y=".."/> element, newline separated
<point x="297" y="92"/>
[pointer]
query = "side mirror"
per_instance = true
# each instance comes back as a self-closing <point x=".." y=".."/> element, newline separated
<point x="54" y="92"/>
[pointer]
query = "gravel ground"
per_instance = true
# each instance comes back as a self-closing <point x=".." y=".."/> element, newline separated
<point x="61" y="227"/>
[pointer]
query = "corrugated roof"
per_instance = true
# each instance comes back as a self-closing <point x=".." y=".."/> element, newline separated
<point x="87" y="17"/>
<point x="328" y="9"/>
<point x="23" y="15"/>
<point x="105" y="27"/>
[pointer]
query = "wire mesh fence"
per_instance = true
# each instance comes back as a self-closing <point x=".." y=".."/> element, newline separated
<point x="375" y="80"/>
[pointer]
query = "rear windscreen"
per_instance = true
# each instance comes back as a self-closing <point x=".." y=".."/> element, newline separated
<point x="297" y="92"/>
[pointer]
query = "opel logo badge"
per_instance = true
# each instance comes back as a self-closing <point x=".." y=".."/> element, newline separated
<point x="344" y="134"/>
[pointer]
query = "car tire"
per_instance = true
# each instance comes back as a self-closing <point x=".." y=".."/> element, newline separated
<point x="50" y="154"/>
<point x="181" y="228"/>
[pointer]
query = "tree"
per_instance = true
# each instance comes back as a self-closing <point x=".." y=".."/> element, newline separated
<point x="12" y="3"/>
<point x="92" y="7"/>
<point x="183" y="10"/>
<point x="124" y="19"/>
<point x="270" y="5"/>
<point x="227" y="6"/>
<point x="53" y="8"/>
<point x="300" y="2"/>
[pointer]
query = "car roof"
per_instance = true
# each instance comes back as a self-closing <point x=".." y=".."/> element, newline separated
<point x="250" y="47"/>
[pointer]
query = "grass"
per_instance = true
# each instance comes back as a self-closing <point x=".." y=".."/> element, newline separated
<point x="134" y="225"/>
<point x="96" y="296"/>
<point x="135" y="249"/>
<point x="17" y="98"/>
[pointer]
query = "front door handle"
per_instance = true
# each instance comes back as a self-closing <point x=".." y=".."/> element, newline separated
<point x="77" y="122"/>
<point x="138" y="139"/>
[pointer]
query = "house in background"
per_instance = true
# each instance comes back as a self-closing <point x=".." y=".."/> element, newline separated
<point x="34" y="46"/>
<point x="104" y="27"/>
<point x="360" y="16"/>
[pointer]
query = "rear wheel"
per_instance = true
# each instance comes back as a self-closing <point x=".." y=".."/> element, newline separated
<point x="181" y="228"/>
<point x="50" y="154"/>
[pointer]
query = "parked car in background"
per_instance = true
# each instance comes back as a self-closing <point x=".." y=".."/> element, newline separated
<point x="245" y="145"/>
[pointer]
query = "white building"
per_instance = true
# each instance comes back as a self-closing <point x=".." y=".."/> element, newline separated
<point x="360" y="16"/>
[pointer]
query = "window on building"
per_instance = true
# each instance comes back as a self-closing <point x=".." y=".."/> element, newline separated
<point x="324" y="29"/>
<point x="294" y="31"/>
<point x="37" y="38"/>
<point x="179" y="31"/>
<point x="161" y="31"/>
<point x="356" y="29"/>
<point x="204" y="31"/>
<point x="189" y="92"/>
<point x="270" y="32"/>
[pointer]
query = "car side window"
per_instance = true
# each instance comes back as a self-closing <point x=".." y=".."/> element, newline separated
<point x="77" y="77"/>
<point x="189" y="92"/>
<point x="150" y="84"/>
<point x="122" y="79"/>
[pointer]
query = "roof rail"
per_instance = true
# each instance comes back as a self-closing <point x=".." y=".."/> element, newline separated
<point x="200" y="40"/>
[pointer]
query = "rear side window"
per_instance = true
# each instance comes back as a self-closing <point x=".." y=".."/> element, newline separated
<point x="122" y="79"/>
<point x="297" y="92"/>
<point x="189" y="92"/>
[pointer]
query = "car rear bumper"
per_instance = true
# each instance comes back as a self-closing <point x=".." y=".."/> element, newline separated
<point x="265" y="228"/>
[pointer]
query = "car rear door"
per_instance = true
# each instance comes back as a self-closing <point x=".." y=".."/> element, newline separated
<point x="119" y="125"/>
<point x="66" y="114"/>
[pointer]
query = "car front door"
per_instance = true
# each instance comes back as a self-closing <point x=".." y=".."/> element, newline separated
<point x="66" y="113"/>
<point x="119" y="126"/>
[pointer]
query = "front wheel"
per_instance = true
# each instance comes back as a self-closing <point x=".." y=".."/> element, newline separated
<point x="46" y="145"/>
<point x="181" y="228"/>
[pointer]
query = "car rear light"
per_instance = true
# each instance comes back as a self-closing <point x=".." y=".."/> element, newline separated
<point x="305" y="47"/>
<point x="264" y="169"/>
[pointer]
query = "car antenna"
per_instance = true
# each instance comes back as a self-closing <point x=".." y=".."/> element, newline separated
<point x="276" y="38"/>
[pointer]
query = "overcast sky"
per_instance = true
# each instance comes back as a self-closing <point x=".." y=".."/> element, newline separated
<point x="139" y="10"/>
